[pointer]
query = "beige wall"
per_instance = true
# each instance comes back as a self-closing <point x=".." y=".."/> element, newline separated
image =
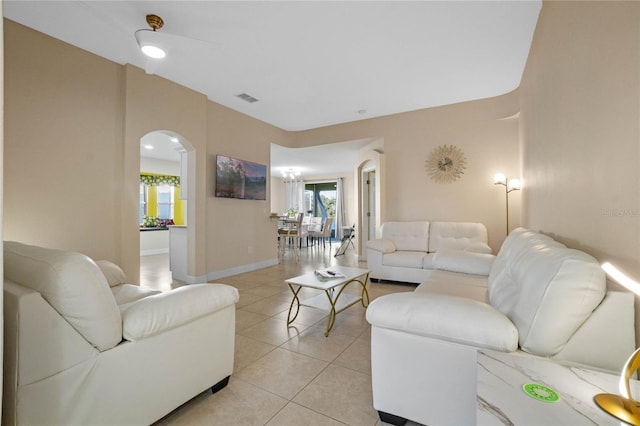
<point x="240" y="233"/>
<point x="277" y="195"/>
<point x="73" y="127"/>
<point x="63" y="162"/>
<point x="153" y="103"/>
<point x="479" y="128"/>
<point x="580" y="129"/>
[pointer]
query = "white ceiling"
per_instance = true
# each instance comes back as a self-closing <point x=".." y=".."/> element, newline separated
<point x="331" y="160"/>
<point x="161" y="145"/>
<point x="310" y="63"/>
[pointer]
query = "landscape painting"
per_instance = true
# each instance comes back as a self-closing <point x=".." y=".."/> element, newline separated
<point x="240" y="179"/>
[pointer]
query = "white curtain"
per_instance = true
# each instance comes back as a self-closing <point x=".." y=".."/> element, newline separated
<point x="339" y="208"/>
<point x="294" y="194"/>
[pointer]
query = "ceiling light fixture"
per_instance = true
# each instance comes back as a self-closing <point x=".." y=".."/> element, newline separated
<point x="147" y="40"/>
<point x="153" y="51"/>
<point x="290" y="173"/>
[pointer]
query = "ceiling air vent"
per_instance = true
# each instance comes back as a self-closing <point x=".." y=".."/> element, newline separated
<point x="247" y="98"/>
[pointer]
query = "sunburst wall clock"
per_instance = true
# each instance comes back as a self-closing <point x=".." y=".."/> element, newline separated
<point x="446" y="163"/>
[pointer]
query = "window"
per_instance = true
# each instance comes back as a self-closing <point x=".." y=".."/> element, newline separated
<point x="165" y="201"/>
<point x="320" y="200"/>
<point x="160" y="201"/>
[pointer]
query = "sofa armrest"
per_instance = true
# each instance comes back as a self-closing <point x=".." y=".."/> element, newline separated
<point x="38" y="341"/>
<point x="444" y="317"/>
<point x="155" y="314"/>
<point x="463" y="261"/>
<point x="382" y="245"/>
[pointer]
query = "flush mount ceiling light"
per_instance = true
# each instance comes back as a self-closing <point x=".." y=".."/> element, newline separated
<point x="148" y="39"/>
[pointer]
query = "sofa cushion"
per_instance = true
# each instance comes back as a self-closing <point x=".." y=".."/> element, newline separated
<point x="455" y="284"/>
<point x="72" y="284"/>
<point x="127" y="293"/>
<point x="405" y="259"/>
<point x="411" y="236"/>
<point x="545" y="288"/>
<point x="112" y="272"/>
<point x="463" y="261"/>
<point x="383" y="246"/>
<point x="458" y="236"/>
<point x="427" y="261"/>
<point x="455" y="319"/>
<point x="156" y="314"/>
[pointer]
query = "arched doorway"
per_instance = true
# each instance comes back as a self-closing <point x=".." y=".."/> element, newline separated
<point x="164" y="194"/>
<point x="371" y="198"/>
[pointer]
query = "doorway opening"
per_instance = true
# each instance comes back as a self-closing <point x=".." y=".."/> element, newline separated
<point x="163" y="203"/>
<point x="320" y="201"/>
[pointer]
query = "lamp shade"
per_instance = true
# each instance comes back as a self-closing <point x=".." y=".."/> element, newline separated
<point x="515" y="184"/>
<point x="499" y="178"/>
<point x="150" y="43"/>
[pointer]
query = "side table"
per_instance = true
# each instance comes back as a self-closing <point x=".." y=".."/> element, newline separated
<point x="501" y="399"/>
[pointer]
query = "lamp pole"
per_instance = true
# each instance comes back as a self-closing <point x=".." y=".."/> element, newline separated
<point x="509" y="186"/>
<point x="506" y="203"/>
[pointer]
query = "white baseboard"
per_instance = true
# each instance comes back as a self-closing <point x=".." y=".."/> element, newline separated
<point x="191" y="279"/>
<point x="241" y="269"/>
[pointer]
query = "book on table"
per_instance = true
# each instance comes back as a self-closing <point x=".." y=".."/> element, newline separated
<point x="329" y="274"/>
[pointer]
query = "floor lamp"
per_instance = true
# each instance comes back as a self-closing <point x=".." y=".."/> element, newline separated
<point x="509" y="185"/>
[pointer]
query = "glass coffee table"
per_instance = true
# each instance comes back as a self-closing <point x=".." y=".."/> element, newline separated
<point x="334" y="300"/>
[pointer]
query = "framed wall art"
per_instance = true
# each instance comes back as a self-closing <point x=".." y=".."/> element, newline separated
<point x="240" y="179"/>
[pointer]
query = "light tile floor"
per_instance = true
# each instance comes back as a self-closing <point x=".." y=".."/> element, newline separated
<point x="286" y="375"/>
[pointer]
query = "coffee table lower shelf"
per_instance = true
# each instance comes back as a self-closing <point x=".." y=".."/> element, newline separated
<point x="321" y="301"/>
<point x="333" y="299"/>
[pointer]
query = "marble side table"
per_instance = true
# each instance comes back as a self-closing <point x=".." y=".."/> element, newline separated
<point x="502" y="401"/>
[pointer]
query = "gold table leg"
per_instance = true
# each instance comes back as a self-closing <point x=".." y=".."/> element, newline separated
<point x="331" y="320"/>
<point x="332" y="313"/>
<point x="295" y="300"/>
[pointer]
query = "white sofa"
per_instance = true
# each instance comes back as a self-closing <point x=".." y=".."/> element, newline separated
<point x="81" y="347"/>
<point x="406" y="251"/>
<point x="539" y="299"/>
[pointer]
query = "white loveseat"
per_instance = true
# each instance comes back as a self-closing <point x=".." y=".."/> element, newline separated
<point x="406" y="251"/>
<point x="81" y="347"/>
<point x="539" y="299"/>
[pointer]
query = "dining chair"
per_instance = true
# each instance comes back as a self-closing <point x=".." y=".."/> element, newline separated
<point x="291" y="233"/>
<point x="325" y="233"/>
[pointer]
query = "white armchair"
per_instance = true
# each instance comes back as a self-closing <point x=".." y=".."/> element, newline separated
<point x="83" y="347"/>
